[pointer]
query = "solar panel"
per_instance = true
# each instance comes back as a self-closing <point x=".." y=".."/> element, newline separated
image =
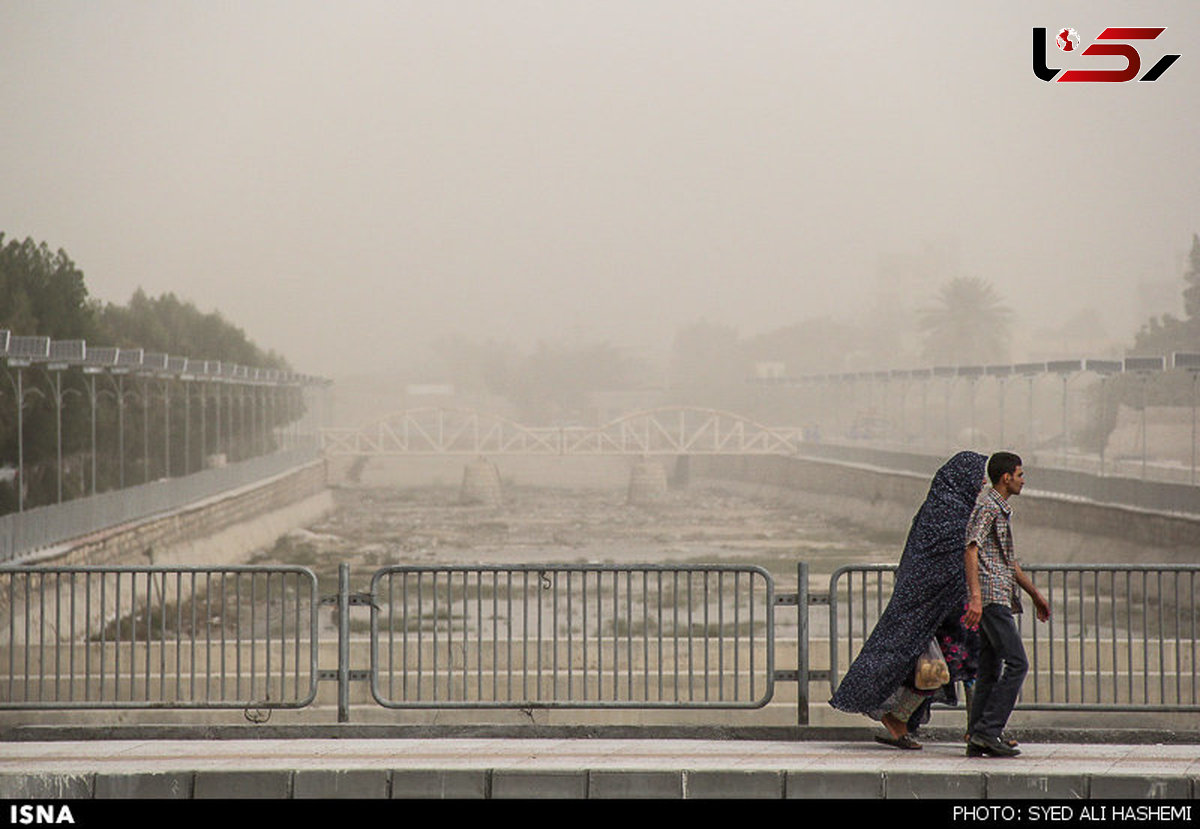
<point x="155" y="361"/>
<point x="1103" y="366"/>
<point x="1144" y="363"/>
<point x="129" y="358"/>
<point x="1187" y="360"/>
<point x="1064" y="366"/>
<point x="68" y="351"/>
<point x="29" y="348"/>
<point x="102" y="355"/>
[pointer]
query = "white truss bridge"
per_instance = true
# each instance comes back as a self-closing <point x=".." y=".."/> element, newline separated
<point x="664" y="431"/>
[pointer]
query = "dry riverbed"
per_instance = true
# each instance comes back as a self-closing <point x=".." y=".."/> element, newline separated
<point x="376" y="526"/>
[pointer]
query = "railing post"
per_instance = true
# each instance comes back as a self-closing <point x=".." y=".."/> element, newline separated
<point x="802" y="643"/>
<point x="343" y="611"/>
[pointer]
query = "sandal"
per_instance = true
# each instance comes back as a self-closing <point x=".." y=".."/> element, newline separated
<point x="905" y="741"/>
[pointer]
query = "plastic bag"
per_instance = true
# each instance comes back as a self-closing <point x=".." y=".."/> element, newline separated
<point x="932" y="671"/>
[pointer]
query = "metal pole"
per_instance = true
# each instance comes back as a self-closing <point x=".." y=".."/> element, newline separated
<point x="1195" y="376"/>
<point x="924" y="411"/>
<point x="1103" y="419"/>
<point x="1002" y="385"/>
<point x="166" y="427"/>
<point x="946" y="441"/>
<point x="202" y="385"/>
<point x="93" y="400"/>
<point x="145" y="430"/>
<point x="1064" y="419"/>
<point x="217" y="408"/>
<point x="58" y="427"/>
<point x="971" y="434"/>
<point x="187" y="428"/>
<point x="121" y="429"/>
<point x="20" y="441"/>
<point x="343" y="605"/>
<point x="1143" y="427"/>
<point x="1031" y="440"/>
<point x="802" y="643"/>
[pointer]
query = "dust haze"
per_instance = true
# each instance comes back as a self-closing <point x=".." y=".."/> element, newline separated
<point x="354" y="183"/>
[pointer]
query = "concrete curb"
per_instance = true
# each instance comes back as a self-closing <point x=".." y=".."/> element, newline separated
<point x="584" y="784"/>
<point x="1078" y="736"/>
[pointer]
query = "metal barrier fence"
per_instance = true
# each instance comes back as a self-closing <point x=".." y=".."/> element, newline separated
<point x="573" y="636"/>
<point x="33" y="529"/>
<point x="1120" y="638"/>
<point x="155" y="637"/>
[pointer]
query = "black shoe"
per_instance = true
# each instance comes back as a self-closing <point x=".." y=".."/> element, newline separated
<point x="993" y="746"/>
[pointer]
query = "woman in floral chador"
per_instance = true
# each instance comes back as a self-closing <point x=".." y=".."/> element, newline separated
<point x="928" y="601"/>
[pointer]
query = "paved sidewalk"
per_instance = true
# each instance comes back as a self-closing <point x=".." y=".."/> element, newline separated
<point x="586" y="767"/>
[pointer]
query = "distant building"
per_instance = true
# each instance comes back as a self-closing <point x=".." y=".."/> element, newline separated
<point x="772" y="370"/>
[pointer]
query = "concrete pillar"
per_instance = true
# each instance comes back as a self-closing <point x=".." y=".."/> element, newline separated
<point x="647" y="482"/>
<point x="481" y="483"/>
<point x="682" y="476"/>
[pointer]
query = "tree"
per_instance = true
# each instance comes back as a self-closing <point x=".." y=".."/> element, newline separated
<point x="968" y="325"/>
<point x="42" y="293"/>
<point x="171" y="325"/>
<point x="1165" y="334"/>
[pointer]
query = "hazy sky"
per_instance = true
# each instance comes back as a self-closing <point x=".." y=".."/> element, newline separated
<point x="347" y="180"/>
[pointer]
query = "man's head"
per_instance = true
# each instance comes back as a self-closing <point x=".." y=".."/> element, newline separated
<point x="1005" y="472"/>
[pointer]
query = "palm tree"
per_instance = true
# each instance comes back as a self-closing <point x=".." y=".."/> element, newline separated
<point x="969" y="325"/>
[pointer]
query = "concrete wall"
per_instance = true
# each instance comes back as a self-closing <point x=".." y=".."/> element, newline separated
<point x="218" y="530"/>
<point x="1049" y="529"/>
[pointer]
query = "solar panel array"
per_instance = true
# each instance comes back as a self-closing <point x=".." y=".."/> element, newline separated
<point x="27" y="350"/>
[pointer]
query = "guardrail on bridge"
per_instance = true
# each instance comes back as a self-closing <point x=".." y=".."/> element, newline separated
<point x="1122" y="638"/>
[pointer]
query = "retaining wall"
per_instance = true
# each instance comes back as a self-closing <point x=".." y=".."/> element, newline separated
<point x="1049" y="528"/>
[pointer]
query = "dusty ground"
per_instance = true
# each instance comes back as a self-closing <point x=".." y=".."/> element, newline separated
<point x="375" y="526"/>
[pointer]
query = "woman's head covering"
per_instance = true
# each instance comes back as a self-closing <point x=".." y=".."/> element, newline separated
<point x="930" y="585"/>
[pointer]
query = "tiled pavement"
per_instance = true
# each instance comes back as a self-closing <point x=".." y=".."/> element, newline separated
<point x="586" y="767"/>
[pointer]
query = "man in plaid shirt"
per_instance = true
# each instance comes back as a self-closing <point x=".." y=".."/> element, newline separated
<point x="993" y="575"/>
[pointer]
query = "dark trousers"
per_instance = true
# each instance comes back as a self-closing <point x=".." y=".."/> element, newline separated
<point x="1002" y="669"/>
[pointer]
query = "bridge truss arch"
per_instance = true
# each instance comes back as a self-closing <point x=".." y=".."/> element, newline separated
<point x="661" y="431"/>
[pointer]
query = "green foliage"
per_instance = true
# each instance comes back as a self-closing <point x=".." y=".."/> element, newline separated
<point x="42" y="293"/>
<point x="969" y="325"/>
<point x="1166" y="334"/>
<point x="171" y="325"/>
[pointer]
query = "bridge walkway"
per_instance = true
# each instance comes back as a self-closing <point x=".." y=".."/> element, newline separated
<point x="368" y="762"/>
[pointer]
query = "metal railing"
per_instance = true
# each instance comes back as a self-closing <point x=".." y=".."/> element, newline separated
<point x="1121" y="637"/>
<point x="33" y="529"/>
<point x="563" y="636"/>
<point x="158" y="637"/>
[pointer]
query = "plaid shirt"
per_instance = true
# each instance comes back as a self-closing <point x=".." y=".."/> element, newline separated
<point x="990" y="528"/>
